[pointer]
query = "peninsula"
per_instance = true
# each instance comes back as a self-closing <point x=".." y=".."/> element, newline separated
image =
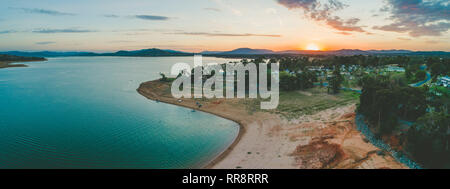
<point x="324" y="137"/>
<point x="7" y="60"/>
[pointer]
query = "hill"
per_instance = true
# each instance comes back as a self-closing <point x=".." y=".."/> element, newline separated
<point x="148" y="53"/>
<point x="142" y="53"/>
<point x="154" y="52"/>
<point x="5" y="60"/>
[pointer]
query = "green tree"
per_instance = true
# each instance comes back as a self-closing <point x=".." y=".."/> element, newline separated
<point x="431" y="60"/>
<point x="408" y="73"/>
<point x="428" y="140"/>
<point x="336" y="80"/>
<point x="384" y="109"/>
<point x="421" y="75"/>
<point x="411" y="102"/>
<point x="287" y="81"/>
<point x="438" y="69"/>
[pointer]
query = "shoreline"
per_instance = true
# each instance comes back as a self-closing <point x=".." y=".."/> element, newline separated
<point x="278" y="144"/>
<point x="11" y="64"/>
<point x="227" y="150"/>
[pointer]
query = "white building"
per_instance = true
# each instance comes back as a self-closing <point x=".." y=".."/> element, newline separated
<point x="444" y="81"/>
<point x="395" y="69"/>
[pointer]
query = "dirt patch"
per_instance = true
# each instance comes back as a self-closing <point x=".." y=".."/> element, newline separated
<point x="318" y="154"/>
<point x="305" y="93"/>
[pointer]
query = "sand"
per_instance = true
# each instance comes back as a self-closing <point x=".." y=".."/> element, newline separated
<point x="8" y="65"/>
<point x="327" y="139"/>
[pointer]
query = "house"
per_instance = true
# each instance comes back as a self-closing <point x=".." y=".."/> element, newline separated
<point x="444" y="81"/>
<point x="395" y="69"/>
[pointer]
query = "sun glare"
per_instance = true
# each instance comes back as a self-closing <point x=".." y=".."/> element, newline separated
<point x="312" y="47"/>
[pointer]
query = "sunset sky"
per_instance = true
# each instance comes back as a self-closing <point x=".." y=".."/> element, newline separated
<point x="198" y="25"/>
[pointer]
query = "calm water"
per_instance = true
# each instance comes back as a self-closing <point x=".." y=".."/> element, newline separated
<point x="84" y="112"/>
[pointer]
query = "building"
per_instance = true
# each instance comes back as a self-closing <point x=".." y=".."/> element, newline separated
<point x="395" y="69"/>
<point x="444" y="81"/>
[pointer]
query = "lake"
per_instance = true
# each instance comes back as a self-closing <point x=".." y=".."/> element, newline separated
<point x="84" y="112"/>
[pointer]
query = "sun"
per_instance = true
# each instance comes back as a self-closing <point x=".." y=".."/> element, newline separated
<point x="312" y="47"/>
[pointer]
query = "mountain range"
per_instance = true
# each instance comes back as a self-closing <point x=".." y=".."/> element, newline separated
<point x="342" y="52"/>
<point x="153" y="52"/>
<point x="138" y="53"/>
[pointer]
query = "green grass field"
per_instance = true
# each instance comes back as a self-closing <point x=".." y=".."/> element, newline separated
<point x="294" y="104"/>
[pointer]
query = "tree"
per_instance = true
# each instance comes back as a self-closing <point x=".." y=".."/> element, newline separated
<point x="428" y="140"/>
<point x="411" y="102"/>
<point x="384" y="109"/>
<point x="383" y="101"/>
<point x="287" y="81"/>
<point x="336" y="80"/>
<point x="431" y="60"/>
<point x="421" y="75"/>
<point x="438" y="69"/>
<point x="408" y="73"/>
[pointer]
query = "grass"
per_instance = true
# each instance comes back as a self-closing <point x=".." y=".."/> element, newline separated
<point x="350" y="83"/>
<point x="294" y="104"/>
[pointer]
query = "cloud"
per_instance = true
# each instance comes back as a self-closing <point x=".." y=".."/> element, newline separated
<point x="47" y="12"/>
<point x="227" y="5"/>
<point x="7" y="31"/>
<point x="344" y="33"/>
<point x="61" y="31"/>
<point x="44" y="42"/>
<point x="111" y="16"/>
<point x="152" y="17"/>
<point x="271" y="11"/>
<point x="404" y="39"/>
<point x="120" y="41"/>
<point x="212" y="9"/>
<point x="344" y="25"/>
<point x="224" y="34"/>
<point x="324" y="12"/>
<point x="432" y="41"/>
<point x="417" y="17"/>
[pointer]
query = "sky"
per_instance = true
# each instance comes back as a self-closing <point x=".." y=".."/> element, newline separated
<point x="217" y="25"/>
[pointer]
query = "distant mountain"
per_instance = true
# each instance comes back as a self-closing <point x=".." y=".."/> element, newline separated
<point x="173" y="51"/>
<point x="348" y="52"/>
<point x="148" y="53"/>
<point x="140" y="53"/>
<point x="211" y="52"/>
<point x="431" y="53"/>
<point x="153" y="52"/>
<point x="342" y="52"/>
<point x="246" y="51"/>
<point x="394" y="51"/>
<point x="292" y="52"/>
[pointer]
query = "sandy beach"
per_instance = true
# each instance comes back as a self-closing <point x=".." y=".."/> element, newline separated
<point x="326" y="139"/>
<point x="8" y="65"/>
<point x="11" y="64"/>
